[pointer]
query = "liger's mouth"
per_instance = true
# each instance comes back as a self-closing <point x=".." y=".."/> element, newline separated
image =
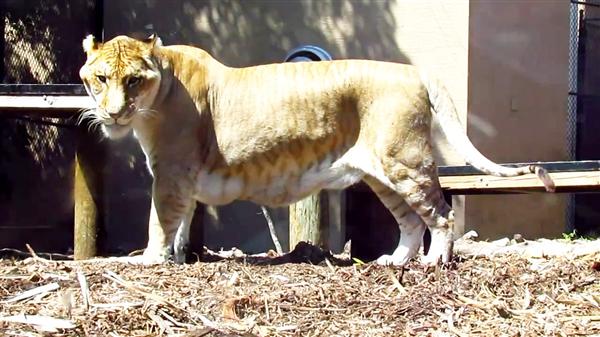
<point x="119" y="121"/>
<point x="116" y="126"/>
<point x="123" y="118"/>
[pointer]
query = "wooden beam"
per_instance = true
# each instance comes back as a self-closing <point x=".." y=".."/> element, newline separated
<point x="485" y="184"/>
<point x="45" y="102"/>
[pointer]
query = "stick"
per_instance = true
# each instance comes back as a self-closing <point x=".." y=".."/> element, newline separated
<point x="46" y="323"/>
<point x="85" y="291"/>
<point x="272" y="230"/>
<point x="32" y="252"/>
<point x="133" y="288"/>
<point x="33" y="292"/>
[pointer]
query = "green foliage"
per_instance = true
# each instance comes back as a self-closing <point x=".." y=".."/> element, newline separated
<point x="358" y="262"/>
<point x="570" y="236"/>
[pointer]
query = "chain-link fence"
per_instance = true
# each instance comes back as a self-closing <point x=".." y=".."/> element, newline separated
<point x="40" y="42"/>
<point x="42" y="39"/>
<point x="583" y="105"/>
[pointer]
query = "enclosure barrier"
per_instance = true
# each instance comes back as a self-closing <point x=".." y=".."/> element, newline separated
<point x="66" y="107"/>
<point x="569" y="177"/>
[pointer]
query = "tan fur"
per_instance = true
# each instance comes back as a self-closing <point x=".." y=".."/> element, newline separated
<point x="274" y="134"/>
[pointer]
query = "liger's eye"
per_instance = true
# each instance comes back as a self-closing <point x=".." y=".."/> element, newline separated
<point x="133" y="81"/>
<point x="101" y="78"/>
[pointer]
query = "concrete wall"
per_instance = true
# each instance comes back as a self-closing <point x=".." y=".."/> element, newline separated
<point x="518" y="58"/>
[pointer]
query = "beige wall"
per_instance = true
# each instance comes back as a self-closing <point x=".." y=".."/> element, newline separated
<point x="434" y="35"/>
<point x="517" y="106"/>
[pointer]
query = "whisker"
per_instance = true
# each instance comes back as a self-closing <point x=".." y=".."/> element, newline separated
<point x="89" y="113"/>
<point x="148" y="113"/>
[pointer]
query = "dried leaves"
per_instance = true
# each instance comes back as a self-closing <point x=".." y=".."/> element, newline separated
<point x="503" y="295"/>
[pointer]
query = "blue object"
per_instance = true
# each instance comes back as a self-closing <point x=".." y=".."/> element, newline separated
<point x="307" y="53"/>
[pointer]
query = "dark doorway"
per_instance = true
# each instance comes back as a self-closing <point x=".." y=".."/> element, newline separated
<point x="587" y="205"/>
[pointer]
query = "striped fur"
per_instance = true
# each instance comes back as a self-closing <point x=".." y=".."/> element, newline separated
<point x="276" y="133"/>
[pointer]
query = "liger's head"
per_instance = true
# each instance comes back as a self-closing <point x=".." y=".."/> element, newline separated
<point x="123" y="77"/>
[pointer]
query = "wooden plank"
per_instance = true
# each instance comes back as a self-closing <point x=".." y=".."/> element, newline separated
<point x="45" y="102"/>
<point x="550" y="166"/>
<point x="485" y="184"/>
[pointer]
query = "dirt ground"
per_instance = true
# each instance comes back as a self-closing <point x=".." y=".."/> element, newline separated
<point x="482" y="293"/>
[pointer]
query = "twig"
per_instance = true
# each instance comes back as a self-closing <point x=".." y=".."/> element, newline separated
<point x="32" y="252"/>
<point x="395" y="282"/>
<point x="272" y="230"/>
<point x="133" y="288"/>
<point x="33" y="292"/>
<point x="117" y="305"/>
<point x="586" y="318"/>
<point x="199" y="333"/>
<point x="163" y="325"/>
<point x="208" y="323"/>
<point x="46" y="323"/>
<point x="85" y="291"/>
<point x="173" y="320"/>
<point x="267" y="316"/>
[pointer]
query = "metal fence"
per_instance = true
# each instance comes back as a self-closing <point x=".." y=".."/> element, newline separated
<point x="40" y="46"/>
<point x="583" y="106"/>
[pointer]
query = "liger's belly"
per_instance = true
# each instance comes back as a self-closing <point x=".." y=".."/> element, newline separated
<point x="277" y="185"/>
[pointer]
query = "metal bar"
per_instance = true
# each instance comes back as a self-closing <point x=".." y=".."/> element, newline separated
<point x="581" y="52"/>
<point x="99" y="20"/>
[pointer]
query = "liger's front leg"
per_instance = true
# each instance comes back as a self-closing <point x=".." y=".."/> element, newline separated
<point x="171" y="214"/>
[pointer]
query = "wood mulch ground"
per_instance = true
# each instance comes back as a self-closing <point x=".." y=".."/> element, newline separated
<point x="502" y="295"/>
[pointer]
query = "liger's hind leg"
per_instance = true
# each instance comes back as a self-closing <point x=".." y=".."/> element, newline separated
<point x="411" y="226"/>
<point x="421" y="190"/>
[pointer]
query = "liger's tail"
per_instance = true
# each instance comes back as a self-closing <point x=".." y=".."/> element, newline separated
<point x="446" y="113"/>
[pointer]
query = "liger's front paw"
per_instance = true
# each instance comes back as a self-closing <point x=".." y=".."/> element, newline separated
<point x="142" y="259"/>
<point x="148" y="258"/>
<point x="391" y="260"/>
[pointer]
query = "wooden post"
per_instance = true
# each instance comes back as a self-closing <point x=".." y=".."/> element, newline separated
<point x="309" y="221"/>
<point x="87" y="159"/>
<point x="337" y="220"/>
<point x="86" y="214"/>
<point x="309" y="218"/>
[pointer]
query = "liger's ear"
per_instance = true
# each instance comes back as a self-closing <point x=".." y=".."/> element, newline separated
<point x="154" y="40"/>
<point x="90" y="44"/>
